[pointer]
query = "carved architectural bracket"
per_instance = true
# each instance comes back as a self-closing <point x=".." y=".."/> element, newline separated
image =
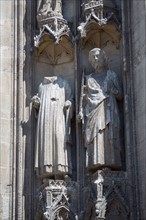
<point x="54" y="201"/>
<point x="110" y="199"/>
<point x="53" y="45"/>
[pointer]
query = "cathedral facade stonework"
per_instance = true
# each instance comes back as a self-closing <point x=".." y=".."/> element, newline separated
<point x="72" y="110"/>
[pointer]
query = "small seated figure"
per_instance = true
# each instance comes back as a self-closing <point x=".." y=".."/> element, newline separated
<point x="44" y="7"/>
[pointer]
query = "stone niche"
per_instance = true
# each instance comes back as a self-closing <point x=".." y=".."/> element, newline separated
<point x="62" y="49"/>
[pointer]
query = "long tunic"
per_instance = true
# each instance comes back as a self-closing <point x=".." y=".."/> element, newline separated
<point x="102" y="123"/>
<point x="51" y="148"/>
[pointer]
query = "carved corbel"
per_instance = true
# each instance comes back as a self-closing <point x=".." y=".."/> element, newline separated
<point x="107" y="194"/>
<point x="55" y="200"/>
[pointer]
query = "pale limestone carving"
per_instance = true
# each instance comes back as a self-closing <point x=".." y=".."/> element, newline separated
<point x="93" y="10"/>
<point x="54" y="201"/>
<point x="48" y="52"/>
<point x="101" y="115"/>
<point x="46" y="7"/>
<point x="107" y="192"/>
<point x="98" y="16"/>
<point x="54" y="106"/>
<point x="50" y="21"/>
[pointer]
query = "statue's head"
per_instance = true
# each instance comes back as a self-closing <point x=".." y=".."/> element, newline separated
<point x="98" y="59"/>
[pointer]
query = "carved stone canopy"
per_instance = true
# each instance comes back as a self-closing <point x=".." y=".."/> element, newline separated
<point x="53" y="201"/>
<point x="51" y="21"/>
<point x="96" y="12"/>
<point x="94" y="7"/>
<point x="55" y="28"/>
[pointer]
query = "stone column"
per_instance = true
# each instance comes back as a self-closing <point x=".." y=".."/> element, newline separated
<point x="7" y="78"/>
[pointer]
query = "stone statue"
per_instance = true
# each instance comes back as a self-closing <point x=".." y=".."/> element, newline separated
<point x="44" y="7"/>
<point x="102" y="90"/>
<point x="54" y="106"/>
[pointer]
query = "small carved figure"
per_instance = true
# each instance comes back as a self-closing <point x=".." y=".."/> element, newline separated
<point x="46" y="6"/>
<point x="102" y="90"/>
<point x="54" y="106"/>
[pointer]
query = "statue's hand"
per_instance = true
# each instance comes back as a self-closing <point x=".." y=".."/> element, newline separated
<point x="85" y="88"/>
<point x="117" y="94"/>
<point x="85" y="97"/>
<point x="46" y="215"/>
<point x="35" y="102"/>
<point x="67" y="104"/>
<point x="114" y="91"/>
<point x="80" y="116"/>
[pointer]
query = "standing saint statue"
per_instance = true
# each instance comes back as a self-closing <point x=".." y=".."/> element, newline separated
<point x="102" y="90"/>
<point x="54" y="106"/>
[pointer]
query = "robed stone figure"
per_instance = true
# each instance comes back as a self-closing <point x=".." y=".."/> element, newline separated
<point x="54" y="106"/>
<point x="102" y="91"/>
<point x="44" y="7"/>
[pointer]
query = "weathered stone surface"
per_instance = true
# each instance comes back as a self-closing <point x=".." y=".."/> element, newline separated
<point x="102" y="90"/>
<point x="53" y="105"/>
<point x="138" y="42"/>
<point x="61" y="49"/>
<point x="6" y="106"/>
